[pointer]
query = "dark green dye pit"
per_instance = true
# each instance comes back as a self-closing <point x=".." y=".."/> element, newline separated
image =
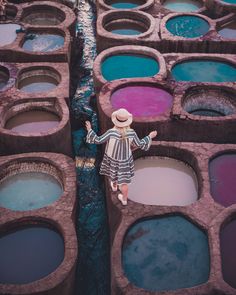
<point x="129" y="66"/>
<point x="204" y="71"/>
<point x="166" y="253"/>
<point x="187" y="26"/>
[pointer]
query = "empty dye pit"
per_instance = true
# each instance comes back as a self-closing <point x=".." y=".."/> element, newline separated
<point x="37" y="83"/>
<point x="4" y="77"/>
<point x="182" y="5"/>
<point x="33" y="122"/>
<point x="214" y="71"/>
<point x="163" y="181"/>
<point x="44" y="16"/>
<point x="8" y="33"/>
<point x="118" y="4"/>
<point x="166" y="253"/>
<point x="29" y="254"/>
<point x="129" y="66"/>
<point x="43" y="42"/>
<point x="228" y="31"/>
<point x="223" y="179"/>
<point x="228" y="257"/>
<point x="142" y="101"/>
<point x="29" y="190"/>
<point x="187" y="26"/>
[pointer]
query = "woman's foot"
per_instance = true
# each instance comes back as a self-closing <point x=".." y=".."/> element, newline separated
<point x="114" y="186"/>
<point x="121" y="198"/>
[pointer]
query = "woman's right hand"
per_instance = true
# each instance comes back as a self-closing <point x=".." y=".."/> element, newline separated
<point x="88" y="125"/>
<point x="153" y="134"/>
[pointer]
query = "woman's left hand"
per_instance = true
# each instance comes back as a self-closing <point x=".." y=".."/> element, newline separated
<point x="88" y="125"/>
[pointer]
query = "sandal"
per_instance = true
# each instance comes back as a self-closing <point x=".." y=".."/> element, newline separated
<point x="113" y="187"/>
<point x="120" y="197"/>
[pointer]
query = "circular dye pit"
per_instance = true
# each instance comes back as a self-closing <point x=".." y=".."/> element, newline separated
<point x="125" y="4"/>
<point x="187" y="26"/>
<point x="222" y="173"/>
<point x="213" y="102"/>
<point x="33" y="122"/>
<point x="228" y="256"/>
<point x="129" y="66"/>
<point x="167" y="253"/>
<point x="125" y="28"/>
<point x="29" y="254"/>
<point x="43" y="42"/>
<point x="142" y="101"/>
<point x="29" y="190"/>
<point x="163" y="181"/>
<point x="4" y="77"/>
<point x="214" y="71"/>
<point x="229" y="1"/>
<point x="228" y="31"/>
<point x="8" y="33"/>
<point x="182" y="5"/>
<point x="43" y="16"/>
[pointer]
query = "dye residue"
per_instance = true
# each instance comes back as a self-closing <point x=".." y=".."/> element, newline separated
<point x="124" y="4"/>
<point x="187" y="26"/>
<point x="222" y="173"/>
<point x="8" y="33"/>
<point x="228" y="257"/>
<point x="29" y="254"/>
<point x="43" y="42"/>
<point x="166" y="253"/>
<point x="206" y="112"/>
<point x="142" y="100"/>
<point x="129" y="66"/>
<point x="163" y="181"/>
<point x="29" y="190"/>
<point x="214" y="71"/>
<point x="182" y="5"/>
<point x="38" y="84"/>
<point x="33" y="122"/>
<point x="228" y="31"/>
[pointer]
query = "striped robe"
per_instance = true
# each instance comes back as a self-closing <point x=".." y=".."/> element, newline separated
<point x="118" y="163"/>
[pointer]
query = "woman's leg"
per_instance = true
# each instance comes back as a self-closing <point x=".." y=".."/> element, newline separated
<point x="124" y="190"/>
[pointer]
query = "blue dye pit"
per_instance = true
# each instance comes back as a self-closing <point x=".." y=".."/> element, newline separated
<point x="228" y="31"/>
<point x="204" y="71"/>
<point x="182" y="5"/>
<point x="166" y="253"/>
<point x="129" y="66"/>
<point x="126" y="32"/>
<point x="229" y="1"/>
<point x="29" y="254"/>
<point x="28" y="191"/>
<point x="187" y="26"/>
<point x="124" y="4"/>
<point x="43" y="42"/>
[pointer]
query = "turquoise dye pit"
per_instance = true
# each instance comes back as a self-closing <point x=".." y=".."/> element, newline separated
<point x="182" y="5"/>
<point x="126" y="32"/>
<point x="204" y="71"/>
<point x="229" y="1"/>
<point x="166" y="253"/>
<point x="29" y="254"/>
<point x="128" y="66"/>
<point x="187" y="26"/>
<point x="43" y="42"/>
<point x="124" y="5"/>
<point x="28" y="191"/>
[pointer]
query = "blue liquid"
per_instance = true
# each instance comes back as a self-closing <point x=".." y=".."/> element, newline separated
<point x="229" y="1"/>
<point x="29" y="254"/>
<point x="38" y="87"/>
<point x="124" y="5"/>
<point x="126" y="32"/>
<point x="204" y="71"/>
<point x="187" y="26"/>
<point x="228" y="31"/>
<point x="182" y="5"/>
<point x="43" y="42"/>
<point x="166" y="253"/>
<point x="129" y="66"/>
<point x="28" y="191"/>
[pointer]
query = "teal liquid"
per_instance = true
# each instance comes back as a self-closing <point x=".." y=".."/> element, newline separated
<point x="129" y="66"/>
<point x="182" y="5"/>
<point x="166" y="253"/>
<point x="28" y="191"/>
<point x="187" y="26"/>
<point x="124" y="5"/>
<point x="204" y="71"/>
<point x="43" y="42"/>
<point x="126" y="32"/>
<point x="229" y="1"/>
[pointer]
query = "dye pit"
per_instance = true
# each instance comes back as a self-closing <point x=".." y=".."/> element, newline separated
<point x="43" y="42"/>
<point x="182" y="5"/>
<point x="228" y="31"/>
<point x="38" y="83"/>
<point x="8" y="33"/>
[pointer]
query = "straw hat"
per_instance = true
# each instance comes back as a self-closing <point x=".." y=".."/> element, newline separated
<point x="121" y="118"/>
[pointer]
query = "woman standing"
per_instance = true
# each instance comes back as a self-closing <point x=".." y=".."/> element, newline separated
<point x="118" y="163"/>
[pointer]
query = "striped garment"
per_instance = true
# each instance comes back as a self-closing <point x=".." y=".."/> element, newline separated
<point x="118" y="163"/>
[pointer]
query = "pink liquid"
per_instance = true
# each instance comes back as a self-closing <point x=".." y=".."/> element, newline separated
<point x="142" y="101"/>
<point x="33" y="121"/>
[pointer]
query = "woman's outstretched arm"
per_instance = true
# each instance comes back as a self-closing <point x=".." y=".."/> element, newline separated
<point x="144" y="143"/>
<point x="92" y="137"/>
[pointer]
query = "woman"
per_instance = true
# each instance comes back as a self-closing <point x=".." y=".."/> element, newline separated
<point x="118" y="163"/>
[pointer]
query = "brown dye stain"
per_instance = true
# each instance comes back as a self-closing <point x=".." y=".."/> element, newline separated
<point x="132" y="237"/>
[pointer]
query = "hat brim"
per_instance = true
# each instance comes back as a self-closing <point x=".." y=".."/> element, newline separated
<point x="121" y="124"/>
